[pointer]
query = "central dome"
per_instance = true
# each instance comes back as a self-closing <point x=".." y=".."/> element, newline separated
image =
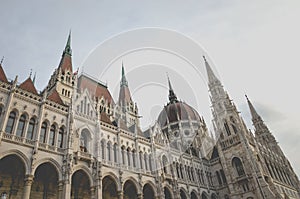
<point x="177" y="111"/>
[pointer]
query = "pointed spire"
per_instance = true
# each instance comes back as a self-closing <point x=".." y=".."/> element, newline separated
<point x="33" y="80"/>
<point x="123" y="79"/>
<point x="2" y="60"/>
<point x="253" y="112"/>
<point x="68" y="49"/>
<point x="210" y="74"/>
<point x="172" y="95"/>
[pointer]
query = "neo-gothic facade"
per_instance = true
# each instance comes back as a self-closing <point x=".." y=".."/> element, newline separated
<point x="72" y="140"/>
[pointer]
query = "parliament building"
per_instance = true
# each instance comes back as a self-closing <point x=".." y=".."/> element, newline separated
<point x="72" y="140"/>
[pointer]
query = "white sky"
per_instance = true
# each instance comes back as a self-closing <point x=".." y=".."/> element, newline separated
<point x="254" y="46"/>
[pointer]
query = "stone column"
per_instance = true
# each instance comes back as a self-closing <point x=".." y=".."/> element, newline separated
<point x="66" y="190"/>
<point x="140" y="196"/>
<point x="92" y="190"/>
<point x="120" y="194"/>
<point x="60" y="189"/>
<point x="27" y="186"/>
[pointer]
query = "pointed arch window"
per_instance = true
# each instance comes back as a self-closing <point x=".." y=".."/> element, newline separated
<point x="237" y="164"/>
<point x="128" y="156"/>
<point x="21" y="126"/>
<point x="52" y="135"/>
<point x="227" y="128"/>
<point x="103" y="149"/>
<point x="108" y="151"/>
<point x="10" y="122"/>
<point x="60" y="137"/>
<point x="115" y="153"/>
<point x="165" y="163"/>
<point x="84" y="140"/>
<point x="43" y="132"/>
<point x="133" y="158"/>
<point x="30" y="129"/>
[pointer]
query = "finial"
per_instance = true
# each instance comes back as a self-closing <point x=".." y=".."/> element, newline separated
<point x="2" y="60"/>
<point x="30" y="73"/>
<point x="246" y="97"/>
<point x="204" y="58"/>
<point x="34" y="78"/>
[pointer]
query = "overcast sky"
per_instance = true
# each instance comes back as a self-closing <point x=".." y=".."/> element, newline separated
<point x="253" y="46"/>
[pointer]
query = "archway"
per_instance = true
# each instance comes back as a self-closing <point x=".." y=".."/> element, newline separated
<point x="213" y="196"/>
<point x="130" y="191"/>
<point x="204" y="195"/>
<point x="12" y="173"/>
<point x="182" y="194"/>
<point x="80" y="185"/>
<point x="148" y="192"/>
<point x="194" y="195"/>
<point x="167" y="193"/>
<point x="45" y="182"/>
<point x="109" y="188"/>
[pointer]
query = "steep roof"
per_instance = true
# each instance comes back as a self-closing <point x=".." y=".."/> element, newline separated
<point x="66" y="59"/>
<point x="54" y="96"/>
<point x="104" y="118"/>
<point x="95" y="88"/>
<point x="3" y="77"/>
<point x="28" y="85"/>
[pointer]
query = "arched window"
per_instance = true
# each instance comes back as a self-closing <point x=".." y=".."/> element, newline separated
<point x="84" y="140"/>
<point x="150" y="162"/>
<point x="43" y="132"/>
<point x="103" y="149"/>
<point x="52" y="135"/>
<point x="218" y="177"/>
<point x="146" y="161"/>
<point x="164" y="164"/>
<point x="141" y="160"/>
<point x="237" y="164"/>
<point x="21" y="126"/>
<point x="108" y="151"/>
<point x="10" y="122"/>
<point x="128" y="156"/>
<point x="60" y="138"/>
<point x="30" y="129"/>
<point x="115" y="153"/>
<point x="133" y="158"/>
<point x="227" y="128"/>
<point x="223" y="176"/>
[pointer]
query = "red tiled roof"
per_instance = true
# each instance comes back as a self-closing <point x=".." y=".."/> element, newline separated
<point x="3" y="77"/>
<point x="28" y="85"/>
<point x="124" y="95"/>
<point x="95" y="88"/>
<point x="54" y="96"/>
<point x="104" y="118"/>
<point x="66" y="63"/>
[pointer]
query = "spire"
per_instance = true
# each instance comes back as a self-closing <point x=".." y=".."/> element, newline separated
<point x="66" y="59"/>
<point x="253" y="112"/>
<point x="210" y="74"/>
<point x="172" y="95"/>
<point x="123" y="79"/>
<point x="33" y="80"/>
<point x="68" y="49"/>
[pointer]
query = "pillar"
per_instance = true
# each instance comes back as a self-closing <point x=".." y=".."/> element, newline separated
<point x="66" y="190"/>
<point x="27" y="186"/>
<point x="140" y="196"/>
<point x="60" y="190"/>
<point x="120" y="194"/>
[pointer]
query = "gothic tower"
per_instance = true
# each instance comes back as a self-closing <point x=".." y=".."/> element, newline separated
<point x="236" y="145"/>
<point x="63" y="80"/>
<point x="128" y="109"/>
<point x="278" y="167"/>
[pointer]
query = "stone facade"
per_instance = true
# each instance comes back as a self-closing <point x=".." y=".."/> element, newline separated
<point x="73" y="141"/>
